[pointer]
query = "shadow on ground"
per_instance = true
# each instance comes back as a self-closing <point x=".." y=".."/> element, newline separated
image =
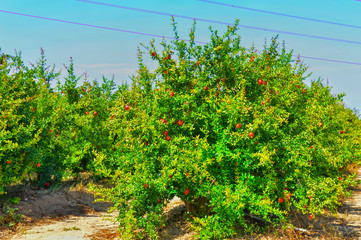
<point x="41" y="206"/>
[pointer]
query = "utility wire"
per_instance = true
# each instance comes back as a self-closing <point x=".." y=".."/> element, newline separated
<point x="95" y="26"/>
<point x="329" y="60"/>
<point x="225" y="23"/>
<point x="281" y="14"/>
<point x="147" y="34"/>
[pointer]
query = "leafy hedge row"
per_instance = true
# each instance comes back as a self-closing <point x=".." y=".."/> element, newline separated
<point x="231" y="131"/>
<point x="45" y="132"/>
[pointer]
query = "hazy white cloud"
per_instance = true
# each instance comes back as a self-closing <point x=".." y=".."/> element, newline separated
<point x="120" y="71"/>
<point x="97" y="70"/>
<point x="107" y="65"/>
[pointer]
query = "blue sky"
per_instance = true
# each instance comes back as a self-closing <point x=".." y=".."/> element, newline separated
<point x="104" y="52"/>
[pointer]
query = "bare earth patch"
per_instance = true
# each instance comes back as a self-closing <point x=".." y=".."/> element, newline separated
<point x="349" y="215"/>
<point x="68" y="213"/>
<point x="177" y="227"/>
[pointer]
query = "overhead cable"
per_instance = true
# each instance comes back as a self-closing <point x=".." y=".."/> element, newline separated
<point x="281" y="14"/>
<point x="147" y="34"/>
<point x="225" y="23"/>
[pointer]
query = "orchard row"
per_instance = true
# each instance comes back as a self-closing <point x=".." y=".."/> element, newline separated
<point x="231" y="131"/>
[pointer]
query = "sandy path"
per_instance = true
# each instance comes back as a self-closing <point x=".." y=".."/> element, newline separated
<point x="349" y="215"/>
<point x="75" y="227"/>
<point x="67" y="213"/>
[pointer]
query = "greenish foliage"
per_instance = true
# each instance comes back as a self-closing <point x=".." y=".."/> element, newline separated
<point x="232" y="131"/>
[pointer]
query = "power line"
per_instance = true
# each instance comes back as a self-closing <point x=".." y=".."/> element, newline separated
<point x="281" y="14"/>
<point x="95" y="26"/>
<point x="155" y="12"/>
<point x="329" y="60"/>
<point x="147" y="34"/>
<point x="225" y="23"/>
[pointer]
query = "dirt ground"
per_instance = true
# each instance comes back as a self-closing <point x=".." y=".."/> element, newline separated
<point x="70" y="213"/>
<point x="66" y="213"/>
<point x="349" y="214"/>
